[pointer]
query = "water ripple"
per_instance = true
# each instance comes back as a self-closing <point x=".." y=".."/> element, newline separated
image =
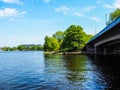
<point x="36" y="71"/>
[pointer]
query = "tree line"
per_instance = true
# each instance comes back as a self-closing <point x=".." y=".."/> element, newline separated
<point x="72" y="39"/>
<point x="23" y="48"/>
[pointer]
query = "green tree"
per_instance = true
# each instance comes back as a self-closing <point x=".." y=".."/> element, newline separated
<point x="21" y="47"/>
<point x="113" y="15"/>
<point x="59" y="35"/>
<point x="7" y="49"/>
<point x="51" y="44"/>
<point x="14" y="48"/>
<point x="87" y="37"/>
<point x="74" y="38"/>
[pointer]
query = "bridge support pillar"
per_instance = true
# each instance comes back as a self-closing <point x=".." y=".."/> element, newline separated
<point x="105" y="51"/>
<point x="114" y="51"/>
<point x="95" y="50"/>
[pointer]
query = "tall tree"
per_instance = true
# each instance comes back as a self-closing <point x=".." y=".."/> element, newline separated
<point x="51" y="44"/>
<point x="59" y="35"/>
<point x="74" y="38"/>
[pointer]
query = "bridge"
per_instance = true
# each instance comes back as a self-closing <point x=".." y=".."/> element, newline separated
<point x="107" y="41"/>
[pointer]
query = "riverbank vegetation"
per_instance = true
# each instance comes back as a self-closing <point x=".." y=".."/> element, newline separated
<point x="30" y="47"/>
<point x="72" y="39"/>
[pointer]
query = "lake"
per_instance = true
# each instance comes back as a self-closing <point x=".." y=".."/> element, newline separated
<point x="32" y="70"/>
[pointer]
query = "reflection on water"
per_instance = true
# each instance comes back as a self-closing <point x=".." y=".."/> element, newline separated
<point x="36" y="71"/>
<point x="76" y="67"/>
<point x="108" y="66"/>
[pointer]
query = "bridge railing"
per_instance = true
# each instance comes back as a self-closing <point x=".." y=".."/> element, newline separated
<point x="108" y="27"/>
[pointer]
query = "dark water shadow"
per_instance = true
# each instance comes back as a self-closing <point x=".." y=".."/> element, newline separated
<point x="109" y="67"/>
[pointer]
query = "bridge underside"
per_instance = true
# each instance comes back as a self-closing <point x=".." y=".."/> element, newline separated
<point x="111" y="47"/>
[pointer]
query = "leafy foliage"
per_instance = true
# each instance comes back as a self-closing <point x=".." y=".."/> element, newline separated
<point x="115" y="14"/>
<point x="59" y="35"/>
<point x="6" y="49"/>
<point x="51" y="44"/>
<point x="74" y="38"/>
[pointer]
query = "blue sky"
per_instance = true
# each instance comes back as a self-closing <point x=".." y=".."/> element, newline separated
<point x="29" y="21"/>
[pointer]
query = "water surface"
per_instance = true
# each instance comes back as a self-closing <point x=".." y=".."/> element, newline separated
<point x="32" y="70"/>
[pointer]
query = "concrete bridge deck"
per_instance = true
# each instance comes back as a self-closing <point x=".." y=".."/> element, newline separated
<point x="107" y="41"/>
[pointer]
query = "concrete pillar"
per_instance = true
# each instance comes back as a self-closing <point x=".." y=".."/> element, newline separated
<point x="114" y="50"/>
<point x="105" y="51"/>
<point x="95" y="50"/>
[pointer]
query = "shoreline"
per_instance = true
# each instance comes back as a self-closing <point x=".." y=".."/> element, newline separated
<point x="64" y="53"/>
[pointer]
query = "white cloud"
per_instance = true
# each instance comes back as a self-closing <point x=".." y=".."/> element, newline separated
<point x="117" y="4"/>
<point x="70" y="11"/>
<point x="10" y="12"/>
<point x="89" y="8"/>
<point x="108" y="6"/>
<point x="79" y="12"/>
<point x="12" y="1"/>
<point x="63" y="9"/>
<point x="95" y="19"/>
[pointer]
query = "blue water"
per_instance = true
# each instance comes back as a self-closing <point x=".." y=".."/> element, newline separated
<point x="32" y="70"/>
